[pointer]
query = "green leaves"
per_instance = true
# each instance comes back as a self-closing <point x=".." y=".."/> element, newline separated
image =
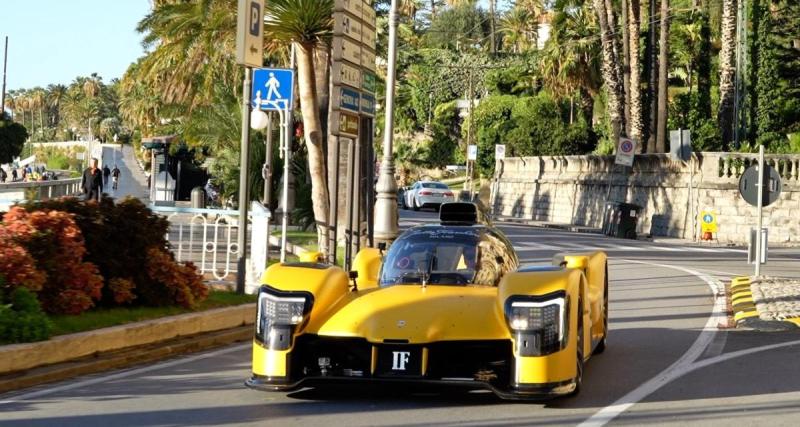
<point x="301" y="21"/>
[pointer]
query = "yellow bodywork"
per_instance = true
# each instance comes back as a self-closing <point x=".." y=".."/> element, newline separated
<point x="418" y="314"/>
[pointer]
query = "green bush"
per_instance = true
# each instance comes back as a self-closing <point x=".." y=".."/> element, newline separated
<point x="21" y="316"/>
<point x="528" y="126"/>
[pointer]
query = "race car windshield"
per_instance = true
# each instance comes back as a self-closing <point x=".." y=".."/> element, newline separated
<point x="435" y="256"/>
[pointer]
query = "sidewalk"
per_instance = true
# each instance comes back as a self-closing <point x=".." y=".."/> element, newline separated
<point x="132" y="181"/>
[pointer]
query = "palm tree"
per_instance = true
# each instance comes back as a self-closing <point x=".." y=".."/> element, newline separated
<point x="92" y="86"/>
<point x="570" y="61"/>
<point x="55" y="96"/>
<point x="610" y="69"/>
<point x="663" y="68"/>
<point x="307" y="24"/>
<point x="519" y="30"/>
<point x="727" y="72"/>
<point x="635" y="98"/>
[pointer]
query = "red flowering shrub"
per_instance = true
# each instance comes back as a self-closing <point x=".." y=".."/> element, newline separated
<point x="17" y="265"/>
<point x="56" y="245"/>
<point x="171" y="281"/>
<point x="122" y="289"/>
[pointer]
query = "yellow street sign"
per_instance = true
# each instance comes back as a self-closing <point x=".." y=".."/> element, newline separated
<point x="708" y="221"/>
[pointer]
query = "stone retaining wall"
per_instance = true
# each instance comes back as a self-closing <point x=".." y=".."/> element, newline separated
<point x="574" y="190"/>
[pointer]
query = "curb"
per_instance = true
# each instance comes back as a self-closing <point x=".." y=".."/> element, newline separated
<point x="550" y="225"/>
<point x="745" y="313"/>
<point x="64" y="348"/>
<point x="124" y="358"/>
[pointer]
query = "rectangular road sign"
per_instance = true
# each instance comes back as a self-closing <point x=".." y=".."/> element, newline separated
<point x="347" y="124"/>
<point x="344" y="74"/>
<point x="626" y="149"/>
<point x="273" y="89"/>
<point x="354" y="7"/>
<point x="368" y="13"/>
<point x="250" y="33"/>
<point x="368" y="59"/>
<point x="346" y="25"/>
<point x="344" y="49"/>
<point x="347" y="99"/>
<point x="370" y="82"/>
<point x="472" y="152"/>
<point x="367" y="104"/>
<point x="499" y="151"/>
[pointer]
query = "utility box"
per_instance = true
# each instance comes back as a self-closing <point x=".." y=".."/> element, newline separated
<point x="198" y="198"/>
<point x="620" y="220"/>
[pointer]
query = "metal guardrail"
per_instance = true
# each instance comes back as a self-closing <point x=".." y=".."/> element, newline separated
<point x="211" y="244"/>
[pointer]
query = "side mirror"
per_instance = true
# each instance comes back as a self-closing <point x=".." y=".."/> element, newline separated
<point x="353" y="275"/>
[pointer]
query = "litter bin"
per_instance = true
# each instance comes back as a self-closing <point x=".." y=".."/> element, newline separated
<point x="198" y="197"/>
<point x="620" y="220"/>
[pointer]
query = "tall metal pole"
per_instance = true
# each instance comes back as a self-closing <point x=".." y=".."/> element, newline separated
<point x="759" y="241"/>
<point x="244" y="194"/>
<point x="3" y="96"/>
<point x="286" y="120"/>
<point x="266" y="172"/>
<point x="386" y="227"/>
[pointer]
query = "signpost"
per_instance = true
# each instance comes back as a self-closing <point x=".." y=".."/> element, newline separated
<point x="626" y="150"/>
<point x="249" y="53"/>
<point x="760" y="185"/>
<point x="353" y="108"/>
<point x="273" y="91"/>
<point x="250" y="33"/>
<point x="708" y="221"/>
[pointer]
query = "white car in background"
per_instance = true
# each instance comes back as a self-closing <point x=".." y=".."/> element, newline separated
<point x="425" y="194"/>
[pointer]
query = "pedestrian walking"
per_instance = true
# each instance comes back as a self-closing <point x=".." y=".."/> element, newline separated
<point x="92" y="182"/>
<point x="115" y="177"/>
<point x="3" y="175"/>
<point x="106" y="174"/>
<point x="14" y="174"/>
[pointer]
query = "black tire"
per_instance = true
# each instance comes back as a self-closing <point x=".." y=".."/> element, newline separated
<point x="414" y="203"/>
<point x="601" y="346"/>
<point x="403" y="203"/>
<point x="579" y="352"/>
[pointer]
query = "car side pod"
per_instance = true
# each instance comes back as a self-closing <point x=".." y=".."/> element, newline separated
<point x="555" y="372"/>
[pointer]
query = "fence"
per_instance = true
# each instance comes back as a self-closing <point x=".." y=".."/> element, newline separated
<point x="16" y="192"/>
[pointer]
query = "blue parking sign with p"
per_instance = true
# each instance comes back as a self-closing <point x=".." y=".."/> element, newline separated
<point x="255" y="18"/>
<point x="273" y="89"/>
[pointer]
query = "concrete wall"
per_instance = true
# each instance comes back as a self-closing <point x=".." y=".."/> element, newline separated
<point x="574" y="190"/>
<point x="14" y="192"/>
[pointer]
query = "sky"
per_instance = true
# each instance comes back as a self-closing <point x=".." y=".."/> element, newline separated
<point x="54" y="41"/>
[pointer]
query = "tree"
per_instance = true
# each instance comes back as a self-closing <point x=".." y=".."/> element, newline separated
<point x="12" y="140"/>
<point x="727" y="72"/>
<point x="635" y="98"/>
<point x="663" y="81"/>
<point x="519" y="29"/>
<point x="611" y="69"/>
<point x="307" y="24"/>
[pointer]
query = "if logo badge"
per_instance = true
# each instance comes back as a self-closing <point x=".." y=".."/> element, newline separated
<point x="399" y="360"/>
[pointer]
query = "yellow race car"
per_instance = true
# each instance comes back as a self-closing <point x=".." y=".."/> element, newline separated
<point x="447" y="304"/>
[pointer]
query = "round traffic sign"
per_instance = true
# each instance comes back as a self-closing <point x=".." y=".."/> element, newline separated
<point x="707" y="218"/>
<point x="626" y="146"/>
<point x="748" y="185"/>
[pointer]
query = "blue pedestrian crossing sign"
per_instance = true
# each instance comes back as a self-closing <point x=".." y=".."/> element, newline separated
<point x="273" y="89"/>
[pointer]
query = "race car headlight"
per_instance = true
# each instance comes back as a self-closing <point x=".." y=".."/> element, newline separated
<point x="278" y="313"/>
<point x="539" y="323"/>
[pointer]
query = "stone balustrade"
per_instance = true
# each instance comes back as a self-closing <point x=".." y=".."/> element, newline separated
<point x="575" y="189"/>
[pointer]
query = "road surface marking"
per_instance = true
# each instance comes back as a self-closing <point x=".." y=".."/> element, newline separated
<point x="123" y="374"/>
<point x="680" y="367"/>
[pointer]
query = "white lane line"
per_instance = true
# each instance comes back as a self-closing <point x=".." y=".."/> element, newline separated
<point x="664" y="248"/>
<point x="534" y="246"/>
<point x="124" y="374"/>
<point x="682" y="366"/>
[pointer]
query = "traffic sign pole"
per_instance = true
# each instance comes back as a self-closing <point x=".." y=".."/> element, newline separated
<point x="244" y="161"/>
<point x="759" y="242"/>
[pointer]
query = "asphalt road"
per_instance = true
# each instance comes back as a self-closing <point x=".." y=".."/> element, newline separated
<point x="667" y="363"/>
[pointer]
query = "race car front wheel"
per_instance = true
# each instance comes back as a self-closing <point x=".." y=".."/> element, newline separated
<point x="601" y="346"/>
<point x="579" y="352"/>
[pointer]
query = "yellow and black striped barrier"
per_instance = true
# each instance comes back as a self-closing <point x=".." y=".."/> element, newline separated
<point x="745" y="312"/>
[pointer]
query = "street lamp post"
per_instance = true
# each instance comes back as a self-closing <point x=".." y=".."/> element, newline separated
<point x="386" y="228"/>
